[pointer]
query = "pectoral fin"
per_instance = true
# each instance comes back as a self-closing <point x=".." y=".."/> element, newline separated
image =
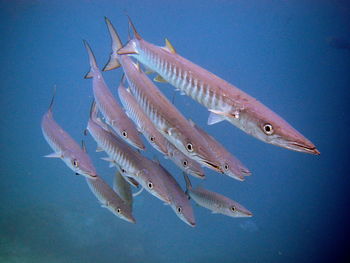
<point x="215" y="117"/>
<point x="54" y="155"/>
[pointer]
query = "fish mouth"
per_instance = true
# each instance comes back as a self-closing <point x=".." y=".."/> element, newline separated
<point x="191" y="224"/>
<point x="212" y="166"/>
<point x="131" y="220"/>
<point x="302" y="148"/>
<point x="91" y="175"/>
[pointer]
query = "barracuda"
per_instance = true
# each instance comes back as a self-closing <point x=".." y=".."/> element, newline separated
<point x="165" y="117"/>
<point x="222" y="99"/>
<point x="215" y="202"/>
<point x="65" y="147"/>
<point x="111" y="110"/>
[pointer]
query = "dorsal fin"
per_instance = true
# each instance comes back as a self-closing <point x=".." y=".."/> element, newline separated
<point x="169" y="46"/>
<point x="93" y="110"/>
<point x="83" y="146"/>
<point x="53" y="98"/>
<point x="136" y="34"/>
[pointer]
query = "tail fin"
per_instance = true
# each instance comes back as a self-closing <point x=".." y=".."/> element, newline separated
<point x="116" y="45"/>
<point x="188" y="183"/>
<point x="136" y="34"/>
<point x="92" y="60"/>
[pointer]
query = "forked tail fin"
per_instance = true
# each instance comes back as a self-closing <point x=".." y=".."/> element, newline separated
<point x="116" y="45"/>
<point x="92" y="60"/>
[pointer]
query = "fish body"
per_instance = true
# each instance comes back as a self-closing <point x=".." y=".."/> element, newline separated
<point x="111" y="110"/>
<point x="165" y="117"/>
<point x="65" y="147"/>
<point x="132" y="162"/>
<point x="143" y="123"/>
<point x="216" y="202"/>
<point x="222" y="99"/>
<point x="154" y="137"/>
<point x="110" y="199"/>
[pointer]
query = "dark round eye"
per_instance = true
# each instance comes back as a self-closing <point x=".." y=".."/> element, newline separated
<point x="268" y="129"/>
<point x="125" y="134"/>
<point x="179" y="209"/>
<point x="226" y="166"/>
<point x="152" y="139"/>
<point x="123" y="171"/>
<point x="233" y="209"/>
<point x="189" y="147"/>
<point x="150" y="185"/>
<point x="119" y="210"/>
<point x="75" y="163"/>
<point x="185" y="163"/>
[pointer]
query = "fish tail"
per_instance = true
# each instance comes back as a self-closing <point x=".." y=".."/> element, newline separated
<point x="136" y="34"/>
<point x="116" y="45"/>
<point x="92" y="60"/>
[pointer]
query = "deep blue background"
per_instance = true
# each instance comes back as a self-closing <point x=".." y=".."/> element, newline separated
<point x="277" y="51"/>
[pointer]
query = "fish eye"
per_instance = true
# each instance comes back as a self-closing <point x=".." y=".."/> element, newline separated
<point x="189" y="147"/>
<point x="119" y="210"/>
<point x="233" y="209"/>
<point x="125" y="134"/>
<point x="75" y="163"/>
<point x="150" y="185"/>
<point x="226" y="166"/>
<point x="152" y="139"/>
<point x="185" y="163"/>
<point x="268" y="129"/>
<point x="179" y="209"/>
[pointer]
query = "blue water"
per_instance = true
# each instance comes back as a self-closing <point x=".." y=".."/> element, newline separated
<point x="280" y="52"/>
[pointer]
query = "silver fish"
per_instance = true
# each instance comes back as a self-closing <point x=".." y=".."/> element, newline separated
<point x="165" y="117"/>
<point x="154" y="137"/>
<point x="110" y="199"/>
<point x="65" y="147"/>
<point x="222" y="99"/>
<point x="111" y="110"/>
<point x="134" y="164"/>
<point x="215" y="202"/>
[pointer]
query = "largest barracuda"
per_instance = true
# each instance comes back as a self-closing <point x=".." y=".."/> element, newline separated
<point x="223" y="100"/>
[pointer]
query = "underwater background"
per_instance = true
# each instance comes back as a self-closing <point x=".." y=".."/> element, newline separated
<point x="291" y="55"/>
